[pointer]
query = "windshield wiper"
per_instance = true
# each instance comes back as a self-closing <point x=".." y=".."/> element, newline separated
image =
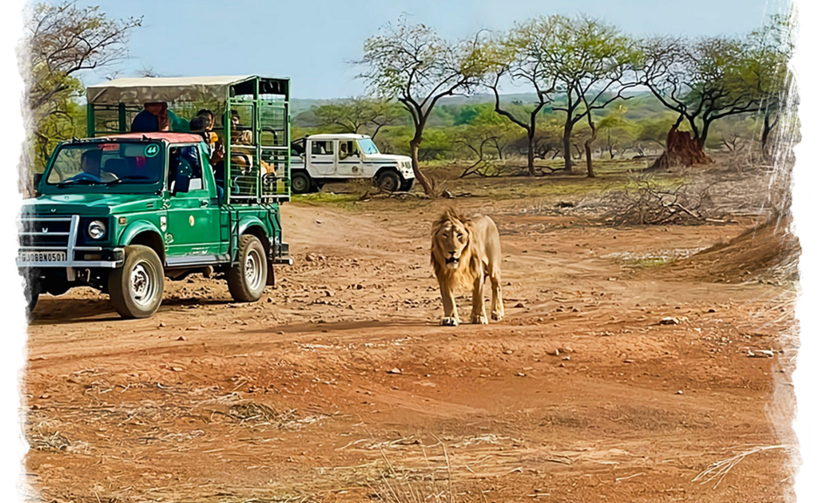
<point x="81" y="181"/>
<point x="130" y="178"/>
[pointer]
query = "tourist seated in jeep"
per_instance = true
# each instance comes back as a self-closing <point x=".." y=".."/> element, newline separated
<point x="157" y="117"/>
<point x="241" y="135"/>
<point x="152" y="119"/>
<point x="199" y="125"/>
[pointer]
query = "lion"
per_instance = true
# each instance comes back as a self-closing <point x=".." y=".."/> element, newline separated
<point x="465" y="251"/>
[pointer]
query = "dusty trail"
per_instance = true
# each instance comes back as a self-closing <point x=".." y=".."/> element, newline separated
<point x="575" y="397"/>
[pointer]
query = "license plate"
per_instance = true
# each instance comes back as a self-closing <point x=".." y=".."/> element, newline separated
<point x="41" y="256"/>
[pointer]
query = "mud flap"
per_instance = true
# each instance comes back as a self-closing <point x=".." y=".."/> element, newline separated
<point x="270" y="274"/>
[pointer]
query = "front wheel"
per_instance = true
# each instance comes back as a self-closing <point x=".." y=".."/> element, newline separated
<point x="389" y="181"/>
<point x="407" y="185"/>
<point x="137" y="287"/>
<point x="248" y="277"/>
<point x="32" y="291"/>
<point x="28" y="299"/>
<point x="301" y="182"/>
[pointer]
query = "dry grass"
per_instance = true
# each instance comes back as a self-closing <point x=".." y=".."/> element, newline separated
<point x="717" y="471"/>
<point x="401" y="485"/>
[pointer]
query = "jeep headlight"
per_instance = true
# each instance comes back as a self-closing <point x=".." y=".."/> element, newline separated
<point x="96" y="229"/>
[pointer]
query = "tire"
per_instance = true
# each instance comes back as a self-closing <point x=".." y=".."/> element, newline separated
<point x="137" y="287"/>
<point x="248" y="278"/>
<point x="56" y="287"/>
<point x="301" y="182"/>
<point x="32" y="292"/>
<point x="28" y="299"/>
<point x="407" y="185"/>
<point x="389" y="181"/>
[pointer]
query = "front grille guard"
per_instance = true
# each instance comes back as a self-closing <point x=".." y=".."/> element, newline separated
<point x="30" y="222"/>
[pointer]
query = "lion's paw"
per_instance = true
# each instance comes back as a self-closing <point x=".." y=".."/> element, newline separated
<point x="496" y="316"/>
<point x="479" y="320"/>
<point x="449" y="322"/>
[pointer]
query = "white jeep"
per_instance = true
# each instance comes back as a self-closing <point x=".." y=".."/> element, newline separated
<point x="323" y="158"/>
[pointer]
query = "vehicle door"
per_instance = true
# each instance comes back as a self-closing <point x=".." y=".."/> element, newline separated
<point x="349" y="159"/>
<point x="193" y="224"/>
<point x="297" y="154"/>
<point x="217" y="198"/>
<point x="322" y="160"/>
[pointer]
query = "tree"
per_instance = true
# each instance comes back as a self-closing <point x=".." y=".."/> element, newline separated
<point x="358" y="114"/>
<point x="418" y="68"/>
<point x="548" y="139"/>
<point x="587" y="62"/>
<point x="702" y="81"/>
<point x="60" y="42"/>
<point x="512" y="56"/>
<point x="619" y="131"/>
<point x="769" y="50"/>
<point x="478" y="144"/>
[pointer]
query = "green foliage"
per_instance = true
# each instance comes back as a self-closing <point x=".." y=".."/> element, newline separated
<point x="55" y="128"/>
<point x="62" y="41"/>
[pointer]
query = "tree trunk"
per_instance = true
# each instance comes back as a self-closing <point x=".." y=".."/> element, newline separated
<point x="701" y="140"/>
<point x="531" y="154"/>
<point x="767" y="129"/>
<point x="588" y="146"/>
<point x="415" y="164"/>
<point x="764" y="138"/>
<point x="28" y="185"/>
<point x="681" y="150"/>
<point x="589" y="154"/>
<point x="609" y="144"/>
<point x="566" y="146"/>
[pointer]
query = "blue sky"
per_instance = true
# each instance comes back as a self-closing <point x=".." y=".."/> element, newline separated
<point x="313" y="42"/>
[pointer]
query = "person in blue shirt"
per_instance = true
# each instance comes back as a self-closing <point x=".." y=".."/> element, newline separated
<point x="150" y="119"/>
<point x="156" y="117"/>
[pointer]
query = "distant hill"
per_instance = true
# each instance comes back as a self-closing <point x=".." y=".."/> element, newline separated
<point x="301" y="105"/>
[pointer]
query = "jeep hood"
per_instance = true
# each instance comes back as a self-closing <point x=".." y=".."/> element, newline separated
<point x="91" y="204"/>
<point x="387" y="157"/>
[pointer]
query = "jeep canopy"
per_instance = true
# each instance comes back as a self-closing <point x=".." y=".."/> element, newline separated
<point x="173" y="89"/>
<point x="250" y="124"/>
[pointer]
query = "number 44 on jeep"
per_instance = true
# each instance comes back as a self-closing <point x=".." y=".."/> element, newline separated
<point x="120" y="211"/>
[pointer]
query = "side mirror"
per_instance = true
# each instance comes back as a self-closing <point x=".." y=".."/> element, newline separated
<point x="182" y="184"/>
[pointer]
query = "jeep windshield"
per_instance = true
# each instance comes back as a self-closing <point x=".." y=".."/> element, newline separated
<point x="99" y="165"/>
<point x="367" y="146"/>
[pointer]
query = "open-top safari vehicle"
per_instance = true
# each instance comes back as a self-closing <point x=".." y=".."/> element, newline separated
<point x="119" y="211"/>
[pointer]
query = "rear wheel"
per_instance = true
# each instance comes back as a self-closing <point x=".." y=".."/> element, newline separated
<point x="301" y="182"/>
<point x="389" y="181"/>
<point x="137" y="287"/>
<point x="248" y="278"/>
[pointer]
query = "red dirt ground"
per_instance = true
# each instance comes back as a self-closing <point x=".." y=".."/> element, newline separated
<point x="768" y="252"/>
<point x="342" y="370"/>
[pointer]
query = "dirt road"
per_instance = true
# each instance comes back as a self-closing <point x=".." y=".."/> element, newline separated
<point x="341" y="374"/>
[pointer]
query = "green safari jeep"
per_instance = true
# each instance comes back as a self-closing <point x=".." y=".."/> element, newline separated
<point x="121" y="211"/>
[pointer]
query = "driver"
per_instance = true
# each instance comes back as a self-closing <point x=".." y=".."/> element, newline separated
<point x="91" y="163"/>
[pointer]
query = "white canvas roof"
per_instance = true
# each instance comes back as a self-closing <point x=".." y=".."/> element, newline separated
<point x="170" y="89"/>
